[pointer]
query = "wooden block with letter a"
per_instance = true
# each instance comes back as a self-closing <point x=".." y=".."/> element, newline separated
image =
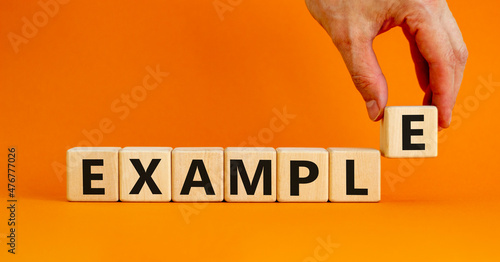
<point x="354" y="175"/>
<point x="198" y="174"/>
<point x="302" y="174"/>
<point x="250" y="174"/>
<point x="409" y="131"/>
<point x="92" y="174"/>
<point x="145" y="174"/>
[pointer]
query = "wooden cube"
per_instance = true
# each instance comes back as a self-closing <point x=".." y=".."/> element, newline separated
<point x="92" y="174"/>
<point x="250" y="174"/>
<point x="409" y="131"/>
<point x="198" y="174"/>
<point x="302" y="174"/>
<point x="354" y="175"/>
<point x="145" y="174"/>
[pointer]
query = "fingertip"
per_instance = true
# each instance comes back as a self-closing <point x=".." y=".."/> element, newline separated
<point x="375" y="112"/>
<point x="444" y="109"/>
<point x="444" y="121"/>
<point x="380" y="115"/>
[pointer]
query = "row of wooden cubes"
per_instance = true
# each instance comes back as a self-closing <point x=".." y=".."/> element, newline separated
<point x="250" y="174"/>
<point x="212" y="174"/>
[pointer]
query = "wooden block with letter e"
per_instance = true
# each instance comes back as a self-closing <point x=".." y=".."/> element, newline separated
<point x="354" y="175"/>
<point x="409" y="131"/>
<point x="145" y="174"/>
<point x="250" y="174"/>
<point x="92" y="174"/>
<point x="198" y="174"/>
<point x="302" y="174"/>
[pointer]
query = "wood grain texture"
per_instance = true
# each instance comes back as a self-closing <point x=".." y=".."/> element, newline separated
<point x="365" y="163"/>
<point x="315" y="191"/>
<point x="392" y="135"/>
<point x="251" y="158"/>
<point x="109" y="171"/>
<point x="213" y="161"/>
<point x="161" y="176"/>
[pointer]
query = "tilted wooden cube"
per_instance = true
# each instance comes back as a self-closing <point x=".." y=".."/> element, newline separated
<point x="409" y="131"/>
<point x="250" y="174"/>
<point x="92" y="173"/>
<point x="302" y="174"/>
<point x="145" y="174"/>
<point x="198" y="174"/>
<point x="354" y="174"/>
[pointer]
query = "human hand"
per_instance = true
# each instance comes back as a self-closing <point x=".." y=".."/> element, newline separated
<point x="437" y="47"/>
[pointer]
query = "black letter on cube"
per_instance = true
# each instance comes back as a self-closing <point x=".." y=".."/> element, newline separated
<point x="88" y="176"/>
<point x="145" y="176"/>
<point x="295" y="180"/>
<point x="264" y="166"/>
<point x="408" y="132"/>
<point x="205" y="180"/>
<point x="350" y="189"/>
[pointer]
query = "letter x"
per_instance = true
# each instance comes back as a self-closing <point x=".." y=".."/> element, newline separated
<point x="145" y="176"/>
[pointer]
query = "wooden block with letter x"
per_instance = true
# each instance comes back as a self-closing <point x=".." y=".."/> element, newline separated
<point x="250" y="174"/>
<point x="354" y="175"/>
<point x="145" y="174"/>
<point x="92" y="173"/>
<point x="302" y="174"/>
<point x="409" y="131"/>
<point x="198" y="174"/>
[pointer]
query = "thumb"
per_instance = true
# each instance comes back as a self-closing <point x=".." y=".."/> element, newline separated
<point x="366" y="74"/>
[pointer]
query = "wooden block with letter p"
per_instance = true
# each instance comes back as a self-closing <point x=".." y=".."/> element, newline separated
<point x="145" y="174"/>
<point x="354" y="175"/>
<point x="302" y="174"/>
<point x="409" y="131"/>
<point x="92" y="174"/>
<point x="250" y="174"/>
<point x="198" y="174"/>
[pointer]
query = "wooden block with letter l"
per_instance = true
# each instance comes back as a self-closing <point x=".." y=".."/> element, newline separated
<point x="409" y="131"/>
<point x="198" y="174"/>
<point x="145" y="174"/>
<point x="354" y="175"/>
<point x="92" y="174"/>
<point x="250" y="174"/>
<point x="302" y="174"/>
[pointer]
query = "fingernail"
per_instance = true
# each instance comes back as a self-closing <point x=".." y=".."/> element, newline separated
<point x="373" y="109"/>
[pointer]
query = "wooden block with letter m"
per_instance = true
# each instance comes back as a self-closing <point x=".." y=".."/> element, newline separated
<point x="250" y="174"/>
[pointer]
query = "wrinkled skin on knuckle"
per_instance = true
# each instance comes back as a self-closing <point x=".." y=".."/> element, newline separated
<point x="419" y="13"/>
<point x="450" y="58"/>
<point x="364" y="83"/>
<point x="415" y="13"/>
<point x="462" y="54"/>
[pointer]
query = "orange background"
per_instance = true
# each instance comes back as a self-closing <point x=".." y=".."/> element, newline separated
<point x="226" y="76"/>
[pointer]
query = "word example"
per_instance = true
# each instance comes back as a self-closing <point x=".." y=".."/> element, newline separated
<point x="250" y="174"/>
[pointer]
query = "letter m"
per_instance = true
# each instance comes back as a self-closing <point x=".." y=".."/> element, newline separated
<point x="237" y="166"/>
